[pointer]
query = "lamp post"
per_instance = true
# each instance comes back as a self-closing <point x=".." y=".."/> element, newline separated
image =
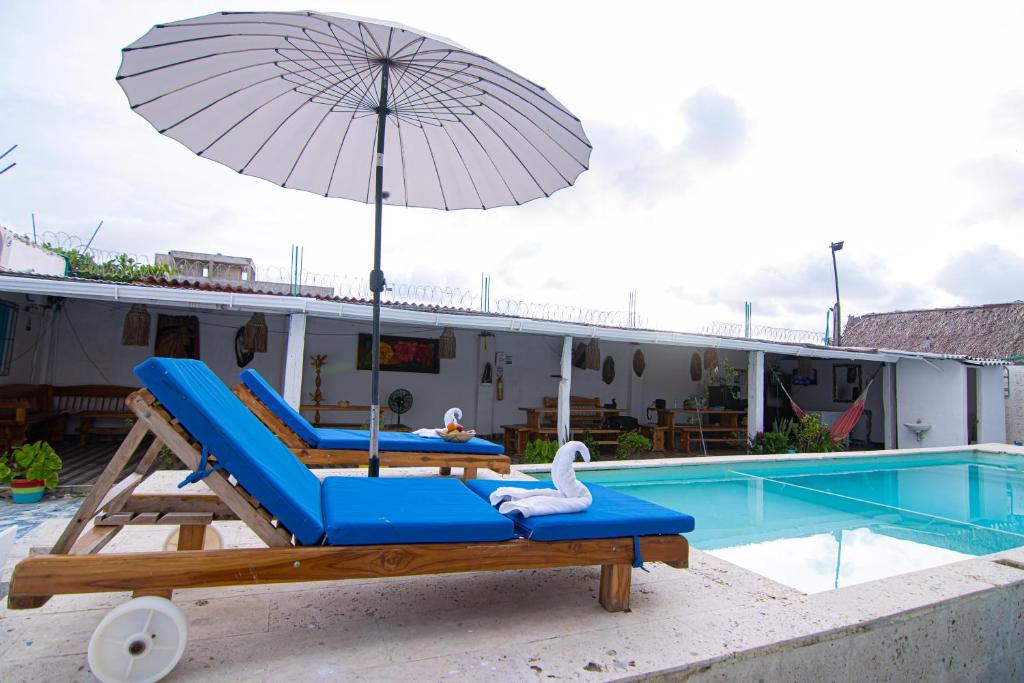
<point x="838" y="326"/>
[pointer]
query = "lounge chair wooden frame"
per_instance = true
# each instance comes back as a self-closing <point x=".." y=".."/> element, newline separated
<point x="469" y="462"/>
<point x="73" y="565"/>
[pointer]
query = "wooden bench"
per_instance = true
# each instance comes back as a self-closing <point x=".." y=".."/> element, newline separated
<point x="26" y="411"/>
<point x="687" y="432"/>
<point x="95" y="406"/>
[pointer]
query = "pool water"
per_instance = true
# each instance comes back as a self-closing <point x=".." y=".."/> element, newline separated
<point x="823" y="524"/>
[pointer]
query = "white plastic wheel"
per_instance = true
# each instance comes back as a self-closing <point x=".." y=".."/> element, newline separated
<point x="138" y="642"/>
<point x="212" y="539"/>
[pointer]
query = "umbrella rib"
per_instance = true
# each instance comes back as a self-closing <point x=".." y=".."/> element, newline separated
<point x="272" y="134"/>
<point x="437" y="173"/>
<point x="305" y="145"/>
<point x="537" y="149"/>
<point x="401" y="66"/>
<point x="337" y="157"/>
<point x="357" y="71"/>
<point x="367" y="91"/>
<point x="401" y="153"/>
<point x="469" y="174"/>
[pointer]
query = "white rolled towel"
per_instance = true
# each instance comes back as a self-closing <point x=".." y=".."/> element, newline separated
<point x="569" y="494"/>
<point x="451" y="415"/>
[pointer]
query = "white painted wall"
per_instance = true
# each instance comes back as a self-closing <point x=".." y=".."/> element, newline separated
<point x="1015" y="405"/>
<point x="934" y="393"/>
<point x="21" y="256"/>
<point x="991" y="405"/>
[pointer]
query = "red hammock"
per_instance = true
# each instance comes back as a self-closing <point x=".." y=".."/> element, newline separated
<point x="845" y="424"/>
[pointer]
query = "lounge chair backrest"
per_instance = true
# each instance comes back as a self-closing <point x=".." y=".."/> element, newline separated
<point x="215" y="417"/>
<point x="277" y="405"/>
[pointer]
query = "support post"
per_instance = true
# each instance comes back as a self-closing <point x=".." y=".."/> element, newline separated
<point x="888" y="405"/>
<point x="755" y="393"/>
<point x="293" y="355"/>
<point x="565" y="391"/>
<point x="377" y="275"/>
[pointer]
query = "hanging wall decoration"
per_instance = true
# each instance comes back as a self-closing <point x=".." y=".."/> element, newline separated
<point x="177" y="336"/>
<point x="255" y="336"/>
<point x="579" y="356"/>
<point x="710" y="359"/>
<point x="696" y="367"/>
<point x="243" y="356"/>
<point x="446" y="346"/>
<point x="400" y="354"/>
<point x="135" y="331"/>
<point x="592" y="359"/>
<point x="608" y="370"/>
<point x="639" y="363"/>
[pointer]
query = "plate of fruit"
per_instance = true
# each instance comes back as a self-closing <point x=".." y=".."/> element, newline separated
<point x="456" y="433"/>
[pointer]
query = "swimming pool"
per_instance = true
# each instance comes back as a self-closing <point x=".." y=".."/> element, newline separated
<point x="821" y="524"/>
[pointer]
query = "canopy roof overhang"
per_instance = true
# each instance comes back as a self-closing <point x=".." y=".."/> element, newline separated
<point x="419" y="316"/>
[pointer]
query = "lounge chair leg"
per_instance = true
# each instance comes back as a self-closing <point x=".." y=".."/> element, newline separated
<point x="446" y="471"/>
<point x="468" y="473"/>
<point x="615" y="582"/>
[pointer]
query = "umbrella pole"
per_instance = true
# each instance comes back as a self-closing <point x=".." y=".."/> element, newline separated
<point x="377" y="277"/>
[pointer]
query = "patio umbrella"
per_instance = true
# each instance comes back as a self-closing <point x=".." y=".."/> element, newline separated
<point x="326" y="102"/>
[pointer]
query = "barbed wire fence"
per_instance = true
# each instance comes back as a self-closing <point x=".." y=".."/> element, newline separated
<point x="765" y="332"/>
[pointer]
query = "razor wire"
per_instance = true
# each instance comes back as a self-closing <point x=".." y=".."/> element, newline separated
<point x="69" y="242"/>
<point x="765" y="332"/>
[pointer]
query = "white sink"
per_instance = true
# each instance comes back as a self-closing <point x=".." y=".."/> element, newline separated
<point x="919" y="428"/>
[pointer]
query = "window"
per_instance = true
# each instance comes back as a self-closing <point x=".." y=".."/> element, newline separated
<point x="8" y="320"/>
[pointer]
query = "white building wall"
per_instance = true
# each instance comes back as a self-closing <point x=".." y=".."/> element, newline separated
<point x="991" y="405"/>
<point x="934" y="393"/>
<point x="1015" y="405"/>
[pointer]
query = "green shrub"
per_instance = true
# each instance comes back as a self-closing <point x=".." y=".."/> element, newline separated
<point x="588" y="440"/>
<point x="539" y="452"/>
<point x="813" y="436"/>
<point x="31" y="461"/>
<point x="121" y="268"/>
<point x="631" y="443"/>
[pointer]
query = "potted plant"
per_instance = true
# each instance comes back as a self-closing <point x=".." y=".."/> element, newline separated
<point x="30" y="469"/>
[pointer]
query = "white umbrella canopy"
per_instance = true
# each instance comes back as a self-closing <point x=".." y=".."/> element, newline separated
<point x="325" y="102"/>
<point x="292" y="98"/>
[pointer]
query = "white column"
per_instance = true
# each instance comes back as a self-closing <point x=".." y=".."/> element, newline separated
<point x="755" y="393"/>
<point x="564" y="391"/>
<point x="293" y="359"/>
<point x="888" y="407"/>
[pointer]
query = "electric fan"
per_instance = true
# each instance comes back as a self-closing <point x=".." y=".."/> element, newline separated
<point x="400" y="401"/>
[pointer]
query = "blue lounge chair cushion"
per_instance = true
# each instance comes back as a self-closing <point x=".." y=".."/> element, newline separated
<point x="355" y="439"/>
<point x="359" y="440"/>
<point x="246" y="449"/>
<point x="277" y="405"/>
<point x="612" y="515"/>
<point x="363" y="511"/>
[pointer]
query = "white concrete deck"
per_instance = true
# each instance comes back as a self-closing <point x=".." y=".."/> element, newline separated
<point x="962" y="621"/>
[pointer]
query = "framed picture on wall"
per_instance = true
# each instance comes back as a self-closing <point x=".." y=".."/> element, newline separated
<point x="846" y="383"/>
<point x="800" y="380"/>
<point x="400" y="354"/>
<point x="177" y="336"/>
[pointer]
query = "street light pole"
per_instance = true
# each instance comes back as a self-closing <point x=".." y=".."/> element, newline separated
<point x="836" y="246"/>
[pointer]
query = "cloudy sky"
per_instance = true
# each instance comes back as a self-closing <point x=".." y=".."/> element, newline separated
<point x="733" y="142"/>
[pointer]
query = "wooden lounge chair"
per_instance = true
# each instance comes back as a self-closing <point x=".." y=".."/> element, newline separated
<point x="343" y="528"/>
<point x="320" y="446"/>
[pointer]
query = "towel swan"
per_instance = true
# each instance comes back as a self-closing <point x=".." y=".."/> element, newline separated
<point x="569" y="494"/>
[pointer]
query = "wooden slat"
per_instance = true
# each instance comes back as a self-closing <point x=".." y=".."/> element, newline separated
<point x="93" y="540"/>
<point x="90" y="505"/>
<point x="180" y="446"/>
<point x="146" y="518"/>
<point x="169" y="502"/>
<point x="116" y="519"/>
<point x="498" y="463"/>
<point x="275" y="424"/>
<point x="54" y="574"/>
<point x="187" y="518"/>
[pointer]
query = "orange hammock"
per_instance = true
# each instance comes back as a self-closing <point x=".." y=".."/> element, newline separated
<point x="845" y="424"/>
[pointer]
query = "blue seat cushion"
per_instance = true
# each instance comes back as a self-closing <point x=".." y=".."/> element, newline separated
<point x="277" y="405"/>
<point x="612" y="515"/>
<point x="228" y="430"/>
<point x="365" y="511"/>
<point x="359" y="440"/>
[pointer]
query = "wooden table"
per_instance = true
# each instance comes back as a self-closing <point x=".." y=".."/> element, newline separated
<point x="727" y="430"/>
<point x="343" y="408"/>
<point x="533" y="415"/>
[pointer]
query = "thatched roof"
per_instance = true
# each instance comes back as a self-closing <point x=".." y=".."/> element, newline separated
<point x="990" y="331"/>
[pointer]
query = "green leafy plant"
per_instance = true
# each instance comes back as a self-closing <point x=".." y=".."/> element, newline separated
<point x="121" y="268"/>
<point x="631" y="443"/>
<point x="588" y="440"/>
<point x="539" y="452"/>
<point x="778" y="440"/>
<point x="31" y="461"/>
<point x="167" y="460"/>
<point x="812" y="435"/>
